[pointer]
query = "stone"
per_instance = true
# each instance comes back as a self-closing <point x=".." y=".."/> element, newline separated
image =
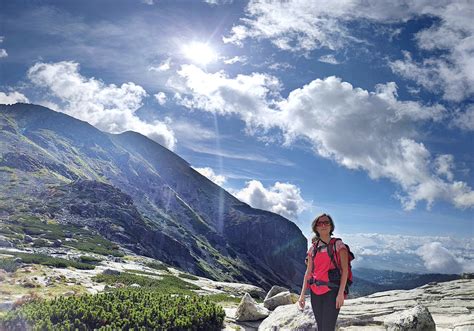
<point x="27" y="239"/>
<point x="135" y="285"/>
<point x="249" y="310"/>
<point x="111" y="272"/>
<point x="417" y="318"/>
<point x="289" y="317"/>
<point x="6" y="305"/>
<point x="280" y="299"/>
<point x="4" y="242"/>
<point x="275" y="290"/>
<point x="57" y="243"/>
<point x="69" y="293"/>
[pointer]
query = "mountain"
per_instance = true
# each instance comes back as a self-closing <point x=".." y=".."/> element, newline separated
<point x="138" y="194"/>
<point x="368" y="281"/>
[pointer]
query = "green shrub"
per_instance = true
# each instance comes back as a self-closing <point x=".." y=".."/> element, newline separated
<point x="49" y="261"/>
<point x="157" y="266"/>
<point x="96" y="245"/>
<point x="165" y="284"/>
<point x="89" y="259"/>
<point x="9" y="265"/>
<point x="118" y="310"/>
<point x="188" y="276"/>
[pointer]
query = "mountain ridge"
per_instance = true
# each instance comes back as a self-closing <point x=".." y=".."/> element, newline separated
<point x="221" y="237"/>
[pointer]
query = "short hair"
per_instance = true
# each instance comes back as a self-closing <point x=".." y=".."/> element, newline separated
<point x="313" y="225"/>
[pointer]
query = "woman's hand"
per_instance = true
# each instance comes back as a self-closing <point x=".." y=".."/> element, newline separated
<point x="339" y="300"/>
<point x="301" y="302"/>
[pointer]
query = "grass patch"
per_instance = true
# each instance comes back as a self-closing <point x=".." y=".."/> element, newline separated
<point x="48" y="260"/>
<point x="157" y="266"/>
<point x="222" y="297"/>
<point x="33" y="226"/>
<point x="141" y="272"/>
<point x="188" y="276"/>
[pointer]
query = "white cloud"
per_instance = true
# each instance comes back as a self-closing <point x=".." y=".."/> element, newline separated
<point x="235" y="59"/>
<point x="305" y="25"/>
<point x="329" y="58"/>
<point x="108" y="107"/>
<point x="12" y="97"/>
<point x="209" y="173"/>
<point x="281" y="198"/>
<point x="161" y="98"/>
<point x="361" y="130"/>
<point x="465" y="119"/>
<point x="439" y="259"/>
<point x="218" y="2"/>
<point x="163" y="66"/>
<point x="411" y="253"/>
<point x="3" y="52"/>
<point x="444" y="165"/>
<point x="245" y="95"/>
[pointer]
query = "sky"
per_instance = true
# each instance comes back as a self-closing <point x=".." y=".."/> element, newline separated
<point x="360" y="109"/>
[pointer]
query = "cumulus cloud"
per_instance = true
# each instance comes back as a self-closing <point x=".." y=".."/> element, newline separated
<point x="412" y="253"/>
<point x="109" y="107"/>
<point x="361" y="130"/>
<point x="439" y="259"/>
<point x="161" y="98"/>
<point x="305" y="25"/>
<point x="10" y="98"/>
<point x="465" y="119"/>
<point x="217" y="93"/>
<point x="281" y="198"/>
<point x="209" y="173"/>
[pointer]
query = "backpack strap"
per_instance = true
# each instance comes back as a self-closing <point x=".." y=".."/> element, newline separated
<point x="333" y="251"/>
<point x="313" y="254"/>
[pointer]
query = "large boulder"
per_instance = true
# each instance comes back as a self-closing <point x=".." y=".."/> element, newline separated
<point x="280" y="299"/>
<point x="417" y="318"/>
<point x="249" y="310"/>
<point x="275" y="290"/>
<point x="290" y="318"/>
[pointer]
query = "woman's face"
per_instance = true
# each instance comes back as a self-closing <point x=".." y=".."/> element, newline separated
<point x="323" y="225"/>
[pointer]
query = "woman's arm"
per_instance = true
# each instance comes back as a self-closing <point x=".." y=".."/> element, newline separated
<point x="307" y="275"/>
<point x="345" y="272"/>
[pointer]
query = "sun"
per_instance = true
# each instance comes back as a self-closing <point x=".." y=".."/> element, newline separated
<point x="200" y="53"/>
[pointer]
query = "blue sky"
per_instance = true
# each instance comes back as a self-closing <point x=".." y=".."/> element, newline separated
<point x="360" y="109"/>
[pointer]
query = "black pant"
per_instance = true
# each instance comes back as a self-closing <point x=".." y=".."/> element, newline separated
<point x="324" y="309"/>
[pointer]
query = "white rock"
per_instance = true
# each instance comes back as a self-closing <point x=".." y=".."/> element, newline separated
<point x="289" y="317"/>
<point x="280" y="299"/>
<point x="417" y="318"/>
<point x="275" y="290"/>
<point x="249" y="310"/>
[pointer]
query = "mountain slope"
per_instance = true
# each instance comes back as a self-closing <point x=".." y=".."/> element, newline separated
<point x="137" y="193"/>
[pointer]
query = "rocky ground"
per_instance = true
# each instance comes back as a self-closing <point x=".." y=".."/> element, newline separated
<point x="450" y="305"/>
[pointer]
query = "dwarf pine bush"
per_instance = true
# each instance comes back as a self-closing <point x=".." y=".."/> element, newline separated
<point x="118" y="310"/>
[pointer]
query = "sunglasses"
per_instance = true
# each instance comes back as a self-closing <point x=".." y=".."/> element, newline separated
<point x="321" y="223"/>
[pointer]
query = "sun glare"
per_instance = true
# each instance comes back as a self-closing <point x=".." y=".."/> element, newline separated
<point x="200" y="53"/>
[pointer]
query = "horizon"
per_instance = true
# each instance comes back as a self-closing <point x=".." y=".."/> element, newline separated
<point x="363" y="112"/>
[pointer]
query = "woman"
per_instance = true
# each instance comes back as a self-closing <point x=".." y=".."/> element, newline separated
<point x="327" y="296"/>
